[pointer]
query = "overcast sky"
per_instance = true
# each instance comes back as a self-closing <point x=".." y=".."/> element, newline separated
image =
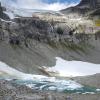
<point x="54" y="5"/>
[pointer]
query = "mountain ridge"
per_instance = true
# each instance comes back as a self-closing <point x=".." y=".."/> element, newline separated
<point x="83" y="7"/>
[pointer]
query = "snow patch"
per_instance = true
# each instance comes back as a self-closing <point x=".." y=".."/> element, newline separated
<point x="98" y="90"/>
<point x="39" y="82"/>
<point x="6" y="21"/>
<point x="74" y="68"/>
<point x="50" y="83"/>
<point x="10" y="14"/>
<point x="7" y="71"/>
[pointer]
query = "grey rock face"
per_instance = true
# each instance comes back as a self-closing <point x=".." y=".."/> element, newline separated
<point x="3" y="15"/>
<point x="83" y="7"/>
<point x="91" y="3"/>
<point x="21" y="30"/>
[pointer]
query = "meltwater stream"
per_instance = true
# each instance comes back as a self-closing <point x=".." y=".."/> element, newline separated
<point x="43" y="83"/>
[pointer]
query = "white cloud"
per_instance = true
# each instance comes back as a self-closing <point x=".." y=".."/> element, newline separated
<point x="58" y="6"/>
<point x="37" y="4"/>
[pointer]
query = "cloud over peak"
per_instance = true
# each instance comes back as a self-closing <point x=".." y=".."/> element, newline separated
<point x="38" y="4"/>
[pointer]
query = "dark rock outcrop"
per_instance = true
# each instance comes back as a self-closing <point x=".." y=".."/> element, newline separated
<point x="1" y="11"/>
<point x="92" y="4"/>
<point x="3" y="15"/>
<point x="83" y="7"/>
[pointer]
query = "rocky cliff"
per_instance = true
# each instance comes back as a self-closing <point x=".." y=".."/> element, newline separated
<point x="84" y="7"/>
<point x="27" y="43"/>
<point x="92" y="4"/>
<point x="3" y="15"/>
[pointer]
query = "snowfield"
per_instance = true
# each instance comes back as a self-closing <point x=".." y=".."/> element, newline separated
<point x="40" y="82"/>
<point x="74" y="68"/>
<point x="51" y="82"/>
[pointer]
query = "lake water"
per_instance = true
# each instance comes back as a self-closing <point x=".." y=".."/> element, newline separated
<point x="44" y="83"/>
